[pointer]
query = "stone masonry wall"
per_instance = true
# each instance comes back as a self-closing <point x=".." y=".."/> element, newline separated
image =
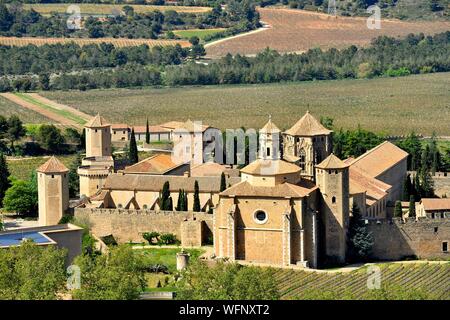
<point x="424" y="238"/>
<point x="128" y="225"/>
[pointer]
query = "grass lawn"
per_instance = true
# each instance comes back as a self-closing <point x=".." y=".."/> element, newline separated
<point x="200" y="33"/>
<point x="9" y="108"/>
<point x="166" y="256"/>
<point x="23" y="167"/>
<point x="388" y="105"/>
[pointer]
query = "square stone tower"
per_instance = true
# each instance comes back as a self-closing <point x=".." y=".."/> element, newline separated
<point x="332" y="178"/>
<point x="306" y="144"/>
<point x="53" y="191"/>
<point x="98" y="137"/>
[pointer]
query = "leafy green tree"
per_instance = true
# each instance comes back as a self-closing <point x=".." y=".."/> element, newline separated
<point x="147" y="133"/>
<point x="74" y="178"/>
<point x="50" y="138"/>
<point x="15" y="130"/>
<point x="223" y="182"/>
<point x="360" y="240"/>
<point x="22" y="197"/>
<point x="226" y="281"/>
<point x="116" y="275"/>
<point x="196" y="205"/>
<point x="412" y="207"/>
<point x="4" y="177"/>
<point x="426" y="184"/>
<point x="413" y="146"/>
<point x="133" y="156"/>
<point x="31" y="272"/>
<point x="398" y="212"/>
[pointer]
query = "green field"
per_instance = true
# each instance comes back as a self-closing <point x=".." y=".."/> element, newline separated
<point x="200" y="33"/>
<point x="166" y="256"/>
<point x="387" y="105"/>
<point x="23" y="167"/>
<point x="431" y="279"/>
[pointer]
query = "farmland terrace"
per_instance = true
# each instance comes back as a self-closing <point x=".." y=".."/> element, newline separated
<point x="297" y="31"/>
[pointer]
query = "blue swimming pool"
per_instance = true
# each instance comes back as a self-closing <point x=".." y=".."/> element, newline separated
<point x="12" y="239"/>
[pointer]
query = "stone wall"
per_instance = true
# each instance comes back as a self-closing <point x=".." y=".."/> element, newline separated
<point x="396" y="240"/>
<point x="129" y="225"/>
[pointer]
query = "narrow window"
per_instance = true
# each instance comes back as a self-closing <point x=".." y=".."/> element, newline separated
<point x="445" y="246"/>
<point x="435" y="229"/>
<point x="268" y="152"/>
<point x="333" y="200"/>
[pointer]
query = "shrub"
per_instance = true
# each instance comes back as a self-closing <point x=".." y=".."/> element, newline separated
<point x="149" y="236"/>
<point x="167" y="238"/>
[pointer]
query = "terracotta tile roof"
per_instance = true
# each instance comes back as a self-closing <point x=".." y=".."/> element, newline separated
<point x="152" y="129"/>
<point x="193" y="127"/>
<point x="379" y="159"/>
<point x="188" y="125"/>
<point x="361" y="182"/>
<point x="269" y="127"/>
<point x="431" y="204"/>
<point x="117" y="181"/>
<point x="97" y="122"/>
<point x="332" y="162"/>
<point x="118" y="126"/>
<point x="211" y="169"/>
<point x="157" y="164"/>
<point x="308" y="126"/>
<point x="270" y="167"/>
<point x="284" y="190"/>
<point x="172" y="125"/>
<point x="53" y="165"/>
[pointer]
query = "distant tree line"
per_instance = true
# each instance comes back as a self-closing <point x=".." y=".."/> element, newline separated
<point x="14" y="21"/>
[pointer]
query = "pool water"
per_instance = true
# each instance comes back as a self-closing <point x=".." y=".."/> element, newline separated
<point x="12" y="239"/>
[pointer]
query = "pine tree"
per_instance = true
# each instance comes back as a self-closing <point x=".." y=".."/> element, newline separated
<point x="196" y="206"/>
<point x="74" y="178"/>
<point x="133" y="151"/>
<point x="223" y="183"/>
<point x="360" y="240"/>
<point x="398" y="212"/>
<point x="412" y="207"/>
<point x="147" y="133"/>
<point x="4" y="175"/>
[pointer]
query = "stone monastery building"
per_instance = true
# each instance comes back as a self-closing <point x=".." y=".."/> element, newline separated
<point x="291" y="206"/>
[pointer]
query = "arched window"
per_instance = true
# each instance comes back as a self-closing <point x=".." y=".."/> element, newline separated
<point x="302" y="159"/>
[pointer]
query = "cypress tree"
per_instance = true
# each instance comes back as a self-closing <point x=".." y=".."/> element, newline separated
<point x="398" y="212"/>
<point x="147" y="133"/>
<point x="223" y="183"/>
<point x="4" y="175"/>
<point x="360" y="240"/>
<point x="165" y="195"/>
<point x="185" y="203"/>
<point x="196" y="206"/>
<point x="407" y="188"/>
<point x="417" y="187"/>
<point x="180" y="201"/>
<point x="412" y="207"/>
<point x="74" y="178"/>
<point x="133" y="151"/>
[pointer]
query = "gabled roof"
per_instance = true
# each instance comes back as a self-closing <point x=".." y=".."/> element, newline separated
<point x="118" y="126"/>
<point x="172" y="124"/>
<point x="53" y="165"/>
<point x="212" y="169"/>
<point x="361" y="182"/>
<point x="269" y="127"/>
<point x="97" y="122"/>
<point x="430" y="204"/>
<point x="270" y="167"/>
<point x="308" y="126"/>
<point x="142" y="182"/>
<point x="151" y="129"/>
<point x="157" y="164"/>
<point x="332" y="162"/>
<point x="379" y="159"/>
<point x="284" y="190"/>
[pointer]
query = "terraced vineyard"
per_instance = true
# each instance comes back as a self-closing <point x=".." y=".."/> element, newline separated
<point x="118" y="42"/>
<point x="430" y="278"/>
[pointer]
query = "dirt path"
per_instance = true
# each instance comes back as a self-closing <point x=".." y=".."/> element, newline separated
<point x="47" y="112"/>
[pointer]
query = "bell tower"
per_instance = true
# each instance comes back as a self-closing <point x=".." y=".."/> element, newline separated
<point x="332" y="178"/>
<point x="269" y="141"/>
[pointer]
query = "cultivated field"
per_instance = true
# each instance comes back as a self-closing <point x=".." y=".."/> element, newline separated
<point x="433" y="278"/>
<point x="118" y="42"/>
<point x="390" y="105"/>
<point x="297" y="31"/>
<point x="200" y="33"/>
<point x="107" y="9"/>
<point x="9" y="108"/>
<point x="21" y="168"/>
